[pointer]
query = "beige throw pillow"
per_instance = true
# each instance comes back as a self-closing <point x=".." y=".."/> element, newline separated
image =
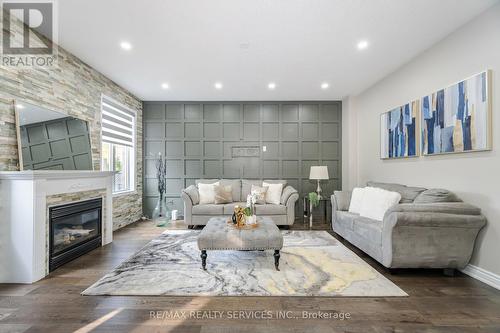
<point x="223" y="194"/>
<point x="207" y="193"/>
<point x="273" y="194"/>
<point x="261" y="193"/>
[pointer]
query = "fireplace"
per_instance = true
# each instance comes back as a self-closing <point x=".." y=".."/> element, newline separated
<point x="75" y="229"/>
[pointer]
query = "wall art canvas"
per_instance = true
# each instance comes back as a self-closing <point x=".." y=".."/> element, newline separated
<point x="398" y="131"/>
<point x="458" y="118"/>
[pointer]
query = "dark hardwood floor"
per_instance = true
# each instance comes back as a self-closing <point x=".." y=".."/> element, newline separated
<point x="436" y="303"/>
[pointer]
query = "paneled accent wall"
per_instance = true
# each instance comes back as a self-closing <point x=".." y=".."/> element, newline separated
<point x="203" y="140"/>
<point x="74" y="88"/>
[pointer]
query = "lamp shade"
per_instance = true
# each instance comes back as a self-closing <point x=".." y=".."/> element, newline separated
<point x="319" y="172"/>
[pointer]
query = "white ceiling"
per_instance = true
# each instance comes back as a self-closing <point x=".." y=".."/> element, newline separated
<point x="245" y="44"/>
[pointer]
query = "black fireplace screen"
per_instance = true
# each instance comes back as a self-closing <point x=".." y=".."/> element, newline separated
<point x="75" y="229"/>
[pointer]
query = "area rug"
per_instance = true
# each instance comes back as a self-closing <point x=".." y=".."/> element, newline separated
<point x="313" y="263"/>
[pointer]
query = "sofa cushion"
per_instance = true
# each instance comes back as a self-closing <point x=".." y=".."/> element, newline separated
<point x="356" y="202"/>
<point x="377" y="201"/>
<point x="210" y="209"/>
<point x="408" y="193"/>
<point x="434" y="195"/>
<point x="207" y="193"/>
<point x="270" y="209"/>
<point x="273" y="194"/>
<point x="246" y="187"/>
<point x="235" y="185"/>
<point x="229" y="208"/>
<point x="369" y="229"/>
<point x="260" y="193"/>
<point x="223" y="194"/>
<point x="205" y="181"/>
<point x="345" y="219"/>
<point x="276" y="181"/>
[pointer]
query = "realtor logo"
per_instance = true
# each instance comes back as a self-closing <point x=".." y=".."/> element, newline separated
<point x="28" y="33"/>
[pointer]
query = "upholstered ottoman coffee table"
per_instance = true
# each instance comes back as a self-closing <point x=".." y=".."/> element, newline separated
<point x="220" y="235"/>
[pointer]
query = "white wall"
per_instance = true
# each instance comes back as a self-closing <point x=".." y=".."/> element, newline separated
<point x="475" y="177"/>
<point x="349" y="144"/>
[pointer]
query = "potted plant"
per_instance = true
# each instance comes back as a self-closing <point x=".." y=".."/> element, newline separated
<point x="313" y="199"/>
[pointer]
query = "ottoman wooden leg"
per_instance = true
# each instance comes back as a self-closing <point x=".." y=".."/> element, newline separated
<point x="277" y="259"/>
<point x="204" y="259"/>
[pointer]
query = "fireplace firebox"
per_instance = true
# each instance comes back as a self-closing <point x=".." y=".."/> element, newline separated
<point x="75" y="229"/>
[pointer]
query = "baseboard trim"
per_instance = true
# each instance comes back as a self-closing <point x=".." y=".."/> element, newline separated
<point x="482" y="275"/>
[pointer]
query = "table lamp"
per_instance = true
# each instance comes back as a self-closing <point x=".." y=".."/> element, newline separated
<point x="319" y="173"/>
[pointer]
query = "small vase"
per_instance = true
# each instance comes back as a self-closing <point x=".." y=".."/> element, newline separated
<point x="161" y="213"/>
<point x="251" y="219"/>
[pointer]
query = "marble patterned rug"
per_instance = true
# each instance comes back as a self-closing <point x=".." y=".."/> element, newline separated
<point x="312" y="263"/>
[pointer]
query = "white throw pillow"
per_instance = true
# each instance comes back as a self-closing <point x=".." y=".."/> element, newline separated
<point x="377" y="201"/>
<point x="356" y="200"/>
<point x="273" y="194"/>
<point x="207" y="193"/>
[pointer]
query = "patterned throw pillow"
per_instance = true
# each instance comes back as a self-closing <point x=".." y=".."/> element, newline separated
<point x="223" y="194"/>
<point x="261" y="193"/>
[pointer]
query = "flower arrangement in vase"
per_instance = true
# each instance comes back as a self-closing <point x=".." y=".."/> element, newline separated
<point x="250" y="212"/>
<point x="161" y="211"/>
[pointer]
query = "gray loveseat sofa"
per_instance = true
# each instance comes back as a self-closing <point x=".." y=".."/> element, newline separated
<point x="427" y="229"/>
<point x="196" y="214"/>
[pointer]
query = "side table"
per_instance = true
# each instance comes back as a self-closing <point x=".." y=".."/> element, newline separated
<point x="308" y="209"/>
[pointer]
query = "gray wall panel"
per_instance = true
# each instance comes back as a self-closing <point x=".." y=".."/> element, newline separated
<point x="198" y="139"/>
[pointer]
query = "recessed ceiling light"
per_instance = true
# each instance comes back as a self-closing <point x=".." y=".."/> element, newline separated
<point x="271" y="86"/>
<point x="218" y="85"/>
<point x="19" y="106"/>
<point x="126" y="46"/>
<point x="363" y="44"/>
<point x="165" y="86"/>
<point x="324" y="85"/>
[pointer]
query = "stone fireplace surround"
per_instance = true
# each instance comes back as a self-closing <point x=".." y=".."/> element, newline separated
<point x="25" y="197"/>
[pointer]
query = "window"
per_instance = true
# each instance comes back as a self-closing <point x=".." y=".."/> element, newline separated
<point x="118" y="143"/>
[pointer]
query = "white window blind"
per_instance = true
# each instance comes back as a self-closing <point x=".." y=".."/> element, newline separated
<point x="117" y="123"/>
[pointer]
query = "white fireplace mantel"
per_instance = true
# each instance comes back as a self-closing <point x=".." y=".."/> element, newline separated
<point x="24" y="225"/>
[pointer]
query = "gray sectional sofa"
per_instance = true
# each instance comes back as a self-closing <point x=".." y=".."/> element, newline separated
<point x="196" y="214"/>
<point x="427" y="229"/>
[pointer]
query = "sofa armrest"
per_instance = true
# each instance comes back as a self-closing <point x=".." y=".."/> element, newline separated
<point x="188" y="207"/>
<point x="290" y="207"/>
<point x="340" y="200"/>
<point x="429" y="240"/>
<point x="285" y="195"/>
<point x="192" y="193"/>
<point x="458" y="208"/>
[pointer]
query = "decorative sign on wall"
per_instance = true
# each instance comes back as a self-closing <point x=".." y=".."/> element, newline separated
<point x="245" y="151"/>
<point x="398" y="131"/>
<point x="458" y="118"/>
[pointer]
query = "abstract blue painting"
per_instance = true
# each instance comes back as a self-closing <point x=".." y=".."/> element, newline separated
<point x="398" y="131"/>
<point x="457" y="118"/>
